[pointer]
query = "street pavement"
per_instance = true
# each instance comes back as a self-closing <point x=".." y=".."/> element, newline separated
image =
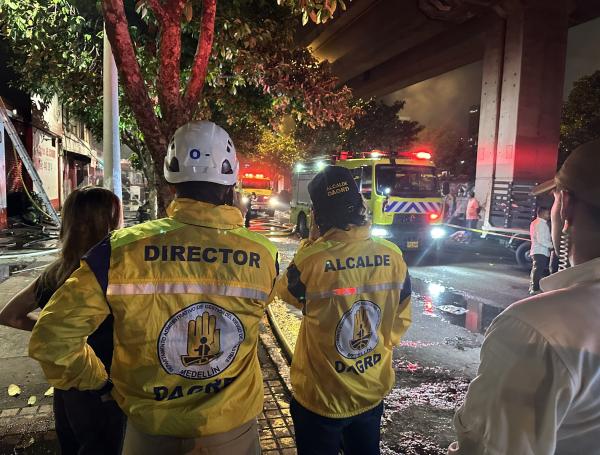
<point x="454" y="300"/>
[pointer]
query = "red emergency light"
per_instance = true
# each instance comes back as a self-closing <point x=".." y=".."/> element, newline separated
<point x="420" y="155"/>
<point x="433" y="216"/>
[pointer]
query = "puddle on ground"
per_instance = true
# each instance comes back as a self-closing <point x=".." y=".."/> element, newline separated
<point x="450" y="305"/>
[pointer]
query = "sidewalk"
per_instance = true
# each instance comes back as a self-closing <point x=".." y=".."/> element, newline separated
<point x="30" y="429"/>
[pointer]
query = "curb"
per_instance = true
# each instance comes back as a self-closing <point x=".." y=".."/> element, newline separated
<point x="274" y="350"/>
<point x="283" y="342"/>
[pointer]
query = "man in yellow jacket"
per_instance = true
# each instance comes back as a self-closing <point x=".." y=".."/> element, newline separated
<point x="354" y="293"/>
<point x="186" y="293"/>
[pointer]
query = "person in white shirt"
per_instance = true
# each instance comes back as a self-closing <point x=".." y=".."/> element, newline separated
<point x="541" y="247"/>
<point x="538" y="387"/>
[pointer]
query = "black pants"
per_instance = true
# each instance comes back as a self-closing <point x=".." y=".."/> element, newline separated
<point x="318" y="435"/>
<point x="86" y="425"/>
<point x="538" y="271"/>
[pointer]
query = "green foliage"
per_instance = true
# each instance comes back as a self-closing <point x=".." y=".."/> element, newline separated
<point x="318" y="11"/>
<point x="581" y="115"/>
<point x="381" y="128"/>
<point x="378" y="126"/>
<point x="257" y="74"/>
<point x="54" y="49"/>
<point x="279" y="149"/>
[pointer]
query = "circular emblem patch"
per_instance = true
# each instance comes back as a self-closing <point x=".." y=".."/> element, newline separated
<point x="200" y="341"/>
<point x="356" y="333"/>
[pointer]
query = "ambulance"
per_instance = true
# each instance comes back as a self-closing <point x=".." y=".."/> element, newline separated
<point x="401" y="192"/>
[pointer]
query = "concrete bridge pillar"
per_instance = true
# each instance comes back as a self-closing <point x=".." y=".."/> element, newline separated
<point x="522" y="95"/>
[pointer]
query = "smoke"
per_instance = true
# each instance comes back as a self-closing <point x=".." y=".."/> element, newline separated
<point x="443" y="102"/>
<point x="583" y="52"/>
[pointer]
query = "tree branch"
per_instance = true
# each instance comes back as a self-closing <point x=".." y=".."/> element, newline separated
<point x="157" y="9"/>
<point x="130" y="74"/>
<point x="169" y="54"/>
<point x="169" y="73"/>
<point x="200" y="66"/>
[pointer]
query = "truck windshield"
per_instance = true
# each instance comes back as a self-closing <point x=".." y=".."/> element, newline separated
<point x="256" y="184"/>
<point x="406" y="181"/>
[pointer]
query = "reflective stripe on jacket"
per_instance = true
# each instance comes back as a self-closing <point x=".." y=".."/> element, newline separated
<point x="187" y="293"/>
<point x="354" y="292"/>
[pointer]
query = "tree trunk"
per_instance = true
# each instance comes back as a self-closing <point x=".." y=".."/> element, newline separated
<point x="164" y="193"/>
<point x="176" y="109"/>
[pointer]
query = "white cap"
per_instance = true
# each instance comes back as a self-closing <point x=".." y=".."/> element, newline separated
<point x="201" y="151"/>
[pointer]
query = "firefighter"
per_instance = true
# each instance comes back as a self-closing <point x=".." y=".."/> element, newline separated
<point x="354" y="293"/>
<point x="186" y="293"/>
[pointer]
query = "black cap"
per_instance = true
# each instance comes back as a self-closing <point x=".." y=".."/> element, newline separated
<point x="334" y="190"/>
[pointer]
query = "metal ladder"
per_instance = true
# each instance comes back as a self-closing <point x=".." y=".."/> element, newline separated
<point x="22" y="152"/>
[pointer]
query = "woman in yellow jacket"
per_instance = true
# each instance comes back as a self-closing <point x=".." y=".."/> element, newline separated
<point x="354" y="293"/>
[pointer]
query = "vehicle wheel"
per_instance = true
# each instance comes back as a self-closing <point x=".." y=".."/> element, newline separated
<point x="523" y="256"/>
<point x="302" y="225"/>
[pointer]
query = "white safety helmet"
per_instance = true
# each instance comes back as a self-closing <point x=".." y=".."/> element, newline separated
<point x="201" y="151"/>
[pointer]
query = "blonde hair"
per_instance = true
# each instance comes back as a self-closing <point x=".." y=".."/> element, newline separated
<point x="87" y="216"/>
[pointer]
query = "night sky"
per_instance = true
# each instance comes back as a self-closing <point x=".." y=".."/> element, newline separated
<point x="442" y="103"/>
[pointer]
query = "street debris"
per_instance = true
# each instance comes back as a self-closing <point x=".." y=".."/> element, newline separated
<point x="32" y="400"/>
<point x="418" y="344"/>
<point x="14" y="390"/>
<point x="461" y="343"/>
<point x="49" y="392"/>
<point x="410" y="443"/>
<point x="402" y="365"/>
<point x="445" y="395"/>
<point x="453" y="309"/>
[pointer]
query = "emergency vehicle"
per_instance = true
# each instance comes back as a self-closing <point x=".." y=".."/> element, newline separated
<point x="257" y="187"/>
<point x="401" y="192"/>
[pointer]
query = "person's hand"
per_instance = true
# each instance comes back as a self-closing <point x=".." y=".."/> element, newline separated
<point x="314" y="232"/>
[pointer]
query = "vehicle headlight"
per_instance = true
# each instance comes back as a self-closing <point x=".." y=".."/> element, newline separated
<point x="273" y="202"/>
<point x="438" y="233"/>
<point x="245" y="199"/>
<point x="380" y="232"/>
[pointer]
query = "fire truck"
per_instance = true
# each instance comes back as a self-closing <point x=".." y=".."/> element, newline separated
<point x="257" y="187"/>
<point x="401" y="192"/>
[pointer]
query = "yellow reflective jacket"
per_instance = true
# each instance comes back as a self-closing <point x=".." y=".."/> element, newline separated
<point x="354" y="293"/>
<point x="187" y="294"/>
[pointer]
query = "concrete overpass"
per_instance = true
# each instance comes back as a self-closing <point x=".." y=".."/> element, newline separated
<point x="380" y="46"/>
